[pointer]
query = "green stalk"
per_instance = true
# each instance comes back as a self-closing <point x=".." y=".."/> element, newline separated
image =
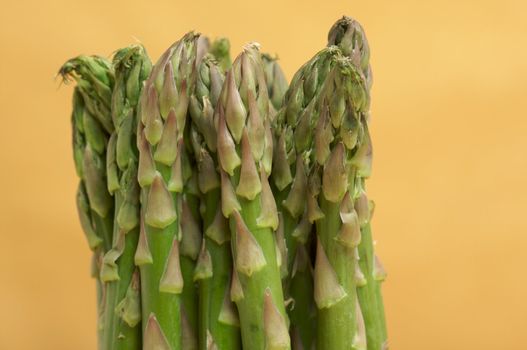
<point x="370" y="294"/>
<point x="336" y="320"/>
<point x="171" y="232"/>
<point x="303" y="313"/>
<point x="111" y="293"/>
<point x="122" y="316"/>
<point x="190" y="248"/>
<point x="157" y="256"/>
<point x="104" y="226"/>
<point x="99" y="287"/>
<point x="294" y="192"/>
<point x="297" y="274"/>
<point x="339" y="139"/>
<point x="219" y="324"/>
<point x="245" y="156"/>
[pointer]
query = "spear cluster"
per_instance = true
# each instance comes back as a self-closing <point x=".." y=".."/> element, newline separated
<point x="224" y="208"/>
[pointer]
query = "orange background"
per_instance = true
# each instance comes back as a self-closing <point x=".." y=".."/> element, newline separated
<point x="450" y="169"/>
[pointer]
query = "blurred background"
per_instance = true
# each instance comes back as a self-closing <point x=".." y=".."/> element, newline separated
<point x="450" y="143"/>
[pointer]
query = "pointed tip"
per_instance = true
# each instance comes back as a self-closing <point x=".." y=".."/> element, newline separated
<point x="129" y="308"/>
<point x="160" y="211"/>
<point x="269" y="213"/>
<point x="168" y="97"/>
<point x="362" y="208"/>
<point x="152" y="118"/>
<point x="281" y="247"/>
<point x="167" y="149"/>
<point x="181" y="108"/>
<point x="335" y="175"/>
<point x="360" y="279"/>
<point x="249" y="255"/>
<point x="302" y="261"/>
<point x="226" y="149"/>
<point x="229" y="201"/>
<point x="249" y="185"/>
<point x="203" y="269"/>
<point x="281" y="171"/>
<point x="190" y="232"/>
<point x="142" y="254"/>
<point x="349" y="234"/>
<point x="172" y="279"/>
<point x="175" y="184"/>
<point x="296" y="200"/>
<point x="154" y="338"/>
<point x="146" y="170"/>
<point x="228" y="313"/>
<point x="275" y="327"/>
<point x="218" y="230"/>
<point x="302" y="230"/>
<point x="255" y="128"/>
<point x="314" y="212"/>
<point x="211" y="343"/>
<point x="235" y="112"/>
<point x="267" y="157"/>
<point x="236" y="290"/>
<point x="208" y="178"/>
<point x="323" y="137"/>
<point x="379" y="273"/>
<point x="328" y="290"/>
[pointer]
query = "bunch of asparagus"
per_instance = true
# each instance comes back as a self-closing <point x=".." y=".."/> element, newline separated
<point x="224" y="208"/>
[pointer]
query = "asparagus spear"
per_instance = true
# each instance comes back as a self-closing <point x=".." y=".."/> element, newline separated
<point x="122" y="322"/>
<point x="165" y="176"/>
<point x="219" y="325"/>
<point x="295" y="193"/>
<point x="244" y="146"/>
<point x="293" y="233"/>
<point x="349" y="36"/>
<point x="340" y="134"/>
<point x="91" y="126"/>
<point x="327" y="106"/>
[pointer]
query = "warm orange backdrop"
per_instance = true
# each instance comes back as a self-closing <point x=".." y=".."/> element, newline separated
<point x="450" y="135"/>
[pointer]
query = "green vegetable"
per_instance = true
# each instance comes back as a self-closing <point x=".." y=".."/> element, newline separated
<point x="171" y="239"/>
<point x="225" y="209"/>
<point x="349" y="36"/>
<point x="327" y="107"/>
<point x="244" y="147"/>
<point x="132" y="66"/>
<point x="91" y="126"/>
<point x="219" y="323"/>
